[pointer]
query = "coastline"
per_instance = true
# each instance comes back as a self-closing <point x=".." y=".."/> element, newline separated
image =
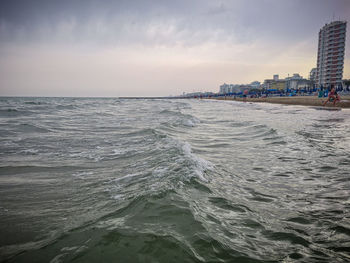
<point x="296" y="100"/>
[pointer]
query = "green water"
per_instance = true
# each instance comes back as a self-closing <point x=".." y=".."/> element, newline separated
<point x="108" y="180"/>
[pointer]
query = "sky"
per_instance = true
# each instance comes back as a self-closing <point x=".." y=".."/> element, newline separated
<point x="105" y="48"/>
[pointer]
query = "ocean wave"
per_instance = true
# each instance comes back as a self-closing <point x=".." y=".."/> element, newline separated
<point x="65" y="107"/>
<point x="170" y="112"/>
<point x="11" y="112"/>
<point x="35" y="103"/>
<point x="239" y="186"/>
<point x="197" y="164"/>
<point x="187" y="163"/>
<point x="190" y="122"/>
<point x="15" y="170"/>
<point x="143" y="133"/>
<point x="30" y="151"/>
<point x="177" y="118"/>
<point x="90" y="155"/>
<point x="25" y="127"/>
<point x="183" y="105"/>
<point x="83" y="174"/>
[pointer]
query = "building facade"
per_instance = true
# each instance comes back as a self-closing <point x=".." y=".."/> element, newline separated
<point x="278" y="85"/>
<point x="224" y="88"/>
<point x="296" y="82"/>
<point x="233" y="88"/>
<point x="255" y="85"/>
<point x="330" y="55"/>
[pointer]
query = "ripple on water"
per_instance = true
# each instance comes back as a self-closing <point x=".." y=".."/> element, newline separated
<point x="227" y="205"/>
<point x="172" y="181"/>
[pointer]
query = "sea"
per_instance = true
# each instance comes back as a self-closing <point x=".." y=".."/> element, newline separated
<point x="182" y="180"/>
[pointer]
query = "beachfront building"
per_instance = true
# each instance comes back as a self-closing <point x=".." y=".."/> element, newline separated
<point x="330" y="56"/>
<point x="275" y="83"/>
<point x="267" y="83"/>
<point x="255" y="85"/>
<point x="279" y="84"/>
<point x="233" y="88"/>
<point x="296" y="82"/>
<point x="224" y="88"/>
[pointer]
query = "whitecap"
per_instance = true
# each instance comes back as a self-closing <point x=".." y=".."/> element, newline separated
<point x="128" y="176"/>
<point x="160" y="171"/>
<point x="58" y="258"/>
<point x="201" y="165"/>
<point x="68" y="248"/>
<point x="82" y="174"/>
<point x="118" y="152"/>
<point x="118" y="197"/>
<point x="191" y="122"/>
<point x="188" y="123"/>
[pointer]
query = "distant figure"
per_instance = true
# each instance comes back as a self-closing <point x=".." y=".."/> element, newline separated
<point x="326" y="93"/>
<point x="332" y="97"/>
<point x="245" y="93"/>
<point x="320" y="93"/>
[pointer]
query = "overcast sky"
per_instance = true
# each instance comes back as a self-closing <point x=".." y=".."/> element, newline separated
<point x="157" y="47"/>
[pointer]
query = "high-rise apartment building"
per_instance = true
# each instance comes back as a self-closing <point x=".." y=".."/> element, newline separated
<point x="330" y="55"/>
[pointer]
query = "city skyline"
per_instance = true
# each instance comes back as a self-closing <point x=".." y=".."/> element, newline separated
<point x="122" y="48"/>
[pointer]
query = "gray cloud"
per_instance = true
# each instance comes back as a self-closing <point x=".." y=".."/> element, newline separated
<point x="129" y="42"/>
<point x="164" y="22"/>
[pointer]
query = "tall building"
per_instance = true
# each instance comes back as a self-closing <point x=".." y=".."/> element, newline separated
<point x="330" y="56"/>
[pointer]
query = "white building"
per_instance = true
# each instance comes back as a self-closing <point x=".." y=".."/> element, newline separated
<point x="233" y="88"/>
<point x="255" y="84"/>
<point x="296" y="81"/>
<point x="224" y="88"/>
<point x="330" y="55"/>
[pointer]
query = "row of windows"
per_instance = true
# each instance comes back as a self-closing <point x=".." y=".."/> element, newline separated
<point x="331" y="38"/>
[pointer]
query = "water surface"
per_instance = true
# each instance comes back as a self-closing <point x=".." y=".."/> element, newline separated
<point x="101" y="180"/>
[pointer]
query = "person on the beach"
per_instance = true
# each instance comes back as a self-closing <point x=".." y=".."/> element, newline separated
<point x="320" y="93"/>
<point x="332" y="96"/>
<point x="245" y="93"/>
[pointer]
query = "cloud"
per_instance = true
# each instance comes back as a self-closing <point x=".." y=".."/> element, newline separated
<point x="155" y="47"/>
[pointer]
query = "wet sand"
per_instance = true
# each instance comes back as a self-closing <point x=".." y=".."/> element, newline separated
<point x="296" y="100"/>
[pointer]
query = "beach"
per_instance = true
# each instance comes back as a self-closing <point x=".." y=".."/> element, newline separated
<point x="296" y="100"/>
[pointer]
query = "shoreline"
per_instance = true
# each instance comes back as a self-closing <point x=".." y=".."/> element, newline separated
<point x="296" y="100"/>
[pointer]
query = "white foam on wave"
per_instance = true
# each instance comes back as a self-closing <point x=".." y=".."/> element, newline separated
<point x="117" y="152"/>
<point x="88" y="155"/>
<point x="128" y="176"/>
<point x="188" y="123"/>
<point x="83" y="174"/>
<point x="118" y="197"/>
<point x="69" y="248"/>
<point x="187" y="158"/>
<point x="191" y="122"/>
<point x="159" y="171"/>
<point x="200" y="164"/>
<point x="58" y="258"/>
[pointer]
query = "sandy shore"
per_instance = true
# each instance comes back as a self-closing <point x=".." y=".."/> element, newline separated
<point x="296" y="100"/>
